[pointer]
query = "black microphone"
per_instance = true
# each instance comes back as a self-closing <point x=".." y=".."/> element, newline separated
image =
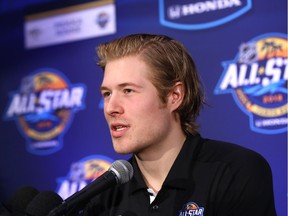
<point x="20" y="199"/>
<point x="43" y="203"/>
<point x="120" y="172"/>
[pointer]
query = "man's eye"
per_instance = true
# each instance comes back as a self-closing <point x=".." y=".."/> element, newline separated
<point x="127" y="91"/>
<point x="106" y="94"/>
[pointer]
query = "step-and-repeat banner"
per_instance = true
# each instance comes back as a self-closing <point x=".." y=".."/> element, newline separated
<point x="52" y="130"/>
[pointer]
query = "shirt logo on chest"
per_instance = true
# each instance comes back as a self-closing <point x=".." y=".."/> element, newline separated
<point x="191" y="209"/>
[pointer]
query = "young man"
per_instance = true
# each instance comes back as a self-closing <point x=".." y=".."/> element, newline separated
<point x="152" y="97"/>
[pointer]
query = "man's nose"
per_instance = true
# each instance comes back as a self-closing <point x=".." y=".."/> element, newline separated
<point x="113" y="105"/>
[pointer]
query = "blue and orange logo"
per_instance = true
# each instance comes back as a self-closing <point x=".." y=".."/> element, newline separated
<point x="257" y="79"/>
<point x="197" y="15"/>
<point x="82" y="173"/>
<point x="191" y="209"/>
<point x="43" y="109"/>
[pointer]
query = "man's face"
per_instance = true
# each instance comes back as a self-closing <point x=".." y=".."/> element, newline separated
<point x="138" y="120"/>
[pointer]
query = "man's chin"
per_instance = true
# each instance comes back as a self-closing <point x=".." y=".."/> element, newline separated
<point x="122" y="151"/>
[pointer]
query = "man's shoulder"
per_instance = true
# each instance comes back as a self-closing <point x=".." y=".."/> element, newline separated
<point x="233" y="155"/>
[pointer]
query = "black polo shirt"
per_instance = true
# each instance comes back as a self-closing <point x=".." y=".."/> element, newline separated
<point x="208" y="178"/>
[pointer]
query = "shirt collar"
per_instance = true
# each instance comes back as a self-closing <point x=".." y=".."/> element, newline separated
<point x="178" y="177"/>
<point x="137" y="181"/>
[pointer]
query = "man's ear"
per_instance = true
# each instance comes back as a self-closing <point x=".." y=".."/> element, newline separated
<point x="176" y="96"/>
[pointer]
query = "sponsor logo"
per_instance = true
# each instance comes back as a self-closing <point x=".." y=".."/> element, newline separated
<point x="82" y="173"/>
<point x="191" y="209"/>
<point x="35" y="33"/>
<point x="102" y="19"/>
<point x="43" y="109"/>
<point x="257" y="79"/>
<point x="68" y="26"/>
<point x="197" y="15"/>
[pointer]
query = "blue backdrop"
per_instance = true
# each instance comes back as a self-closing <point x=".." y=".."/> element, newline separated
<point x="61" y="143"/>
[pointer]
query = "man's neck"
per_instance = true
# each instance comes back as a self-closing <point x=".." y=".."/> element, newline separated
<point x="156" y="165"/>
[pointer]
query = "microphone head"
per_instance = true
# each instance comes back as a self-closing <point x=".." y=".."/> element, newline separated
<point x="20" y="199"/>
<point x="123" y="170"/>
<point x="43" y="203"/>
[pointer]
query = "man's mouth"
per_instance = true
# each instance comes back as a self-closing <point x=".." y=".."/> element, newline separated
<point x="119" y="128"/>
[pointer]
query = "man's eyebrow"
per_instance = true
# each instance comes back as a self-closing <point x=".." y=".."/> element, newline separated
<point x="122" y="85"/>
<point x="102" y="88"/>
<point x="129" y="84"/>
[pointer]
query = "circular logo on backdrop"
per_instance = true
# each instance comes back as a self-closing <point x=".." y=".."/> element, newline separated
<point x="43" y="109"/>
<point x="257" y="79"/>
<point x="82" y="173"/>
<point x="102" y="19"/>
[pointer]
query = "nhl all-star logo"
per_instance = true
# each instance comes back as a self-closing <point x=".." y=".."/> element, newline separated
<point x="82" y="173"/>
<point x="191" y="209"/>
<point x="43" y="109"/>
<point x="257" y="79"/>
